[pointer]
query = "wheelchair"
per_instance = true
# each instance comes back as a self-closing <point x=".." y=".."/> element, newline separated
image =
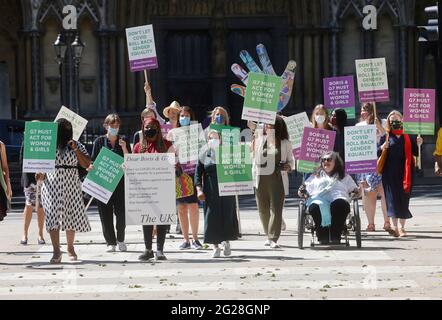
<point x="352" y="222"/>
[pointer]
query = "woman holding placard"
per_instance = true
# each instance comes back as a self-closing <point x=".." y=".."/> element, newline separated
<point x="271" y="147"/>
<point x="188" y="210"/>
<point x="220" y="116"/>
<point x="62" y="197"/>
<point x="150" y="111"/>
<point x="320" y="118"/>
<point x="220" y="221"/>
<point x="153" y="142"/>
<point x="32" y="193"/>
<point x="5" y="182"/>
<point x="119" y="145"/>
<point x="328" y="191"/>
<point x="398" y="172"/>
<point x="371" y="183"/>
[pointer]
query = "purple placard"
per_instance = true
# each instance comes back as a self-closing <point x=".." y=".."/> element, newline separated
<point x="419" y="105"/>
<point x="315" y="142"/>
<point x="339" y="92"/>
<point x="363" y="166"/>
<point x="165" y="128"/>
<point x="144" y="64"/>
<point x="189" y="167"/>
<point x="296" y="152"/>
<point x="374" y="96"/>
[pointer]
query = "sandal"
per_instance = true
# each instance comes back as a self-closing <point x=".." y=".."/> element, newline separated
<point x="394" y="232"/>
<point x="402" y="233"/>
<point x="55" y="260"/>
<point x="370" y="228"/>
<point x="72" y="256"/>
<point x="387" y="226"/>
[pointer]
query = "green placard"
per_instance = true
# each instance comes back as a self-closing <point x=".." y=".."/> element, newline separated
<point x="307" y="166"/>
<point x="102" y="181"/>
<point x="423" y="128"/>
<point x="40" y="146"/>
<point x="263" y="92"/>
<point x="229" y="135"/>
<point x="262" y="97"/>
<point x="234" y="170"/>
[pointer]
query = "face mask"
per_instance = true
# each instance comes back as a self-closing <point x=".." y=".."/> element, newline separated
<point x="150" y="133"/>
<point x="219" y="119"/>
<point x="213" y="143"/>
<point x="184" y="121"/>
<point x="113" y="132"/>
<point x="396" y="124"/>
<point x="320" y="119"/>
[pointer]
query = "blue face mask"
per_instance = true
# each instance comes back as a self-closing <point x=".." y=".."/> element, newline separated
<point x="184" y="121"/>
<point x="219" y="119"/>
<point x="112" y="132"/>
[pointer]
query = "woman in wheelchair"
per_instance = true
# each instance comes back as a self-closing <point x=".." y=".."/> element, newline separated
<point x="328" y="196"/>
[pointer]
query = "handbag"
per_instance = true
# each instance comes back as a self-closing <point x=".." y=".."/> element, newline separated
<point x="382" y="158"/>
<point x="184" y="186"/>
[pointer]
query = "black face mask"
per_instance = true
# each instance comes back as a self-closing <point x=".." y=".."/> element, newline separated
<point x="150" y="133"/>
<point x="396" y="125"/>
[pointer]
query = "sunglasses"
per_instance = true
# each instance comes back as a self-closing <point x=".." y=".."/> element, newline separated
<point x="326" y="160"/>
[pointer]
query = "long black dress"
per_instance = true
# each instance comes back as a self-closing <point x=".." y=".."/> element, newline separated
<point x="220" y="221"/>
<point x="393" y="175"/>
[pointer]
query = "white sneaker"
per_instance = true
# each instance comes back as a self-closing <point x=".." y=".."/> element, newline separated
<point x="227" y="249"/>
<point x="274" y="245"/>
<point x="122" y="246"/>
<point x="283" y="225"/>
<point x="110" y="249"/>
<point x="216" y="253"/>
<point x="267" y="243"/>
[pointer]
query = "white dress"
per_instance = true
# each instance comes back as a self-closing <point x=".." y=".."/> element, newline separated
<point x="62" y="197"/>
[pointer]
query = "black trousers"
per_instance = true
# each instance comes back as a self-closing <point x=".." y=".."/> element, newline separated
<point x="107" y="211"/>
<point x="339" y="211"/>
<point x="161" y="236"/>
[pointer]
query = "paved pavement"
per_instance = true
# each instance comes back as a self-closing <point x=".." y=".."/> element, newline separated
<point x="384" y="268"/>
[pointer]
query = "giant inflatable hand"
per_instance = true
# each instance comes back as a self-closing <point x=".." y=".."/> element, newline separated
<point x="288" y="77"/>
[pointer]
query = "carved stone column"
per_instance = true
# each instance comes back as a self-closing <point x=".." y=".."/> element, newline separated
<point x="334" y="66"/>
<point x="36" y="77"/>
<point x="104" y="67"/>
<point x="219" y="58"/>
<point x="403" y="58"/>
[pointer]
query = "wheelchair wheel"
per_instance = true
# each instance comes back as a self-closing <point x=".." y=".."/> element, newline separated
<point x="357" y="223"/>
<point x="301" y="224"/>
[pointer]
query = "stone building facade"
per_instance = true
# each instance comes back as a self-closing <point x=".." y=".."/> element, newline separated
<point x="197" y="42"/>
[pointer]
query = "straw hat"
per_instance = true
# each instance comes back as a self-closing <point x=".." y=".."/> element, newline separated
<point x="173" y="106"/>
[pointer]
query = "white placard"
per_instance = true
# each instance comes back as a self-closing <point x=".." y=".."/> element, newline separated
<point x="141" y="48"/>
<point x="295" y="127"/>
<point x="150" y="189"/>
<point x="78" y="123"/>
<point x="360" y="149"/>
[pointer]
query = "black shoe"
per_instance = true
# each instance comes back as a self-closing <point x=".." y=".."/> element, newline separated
<point x="148" y="254"/>
<point x="323" y="241"/>
<point x="160" y="256"/>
